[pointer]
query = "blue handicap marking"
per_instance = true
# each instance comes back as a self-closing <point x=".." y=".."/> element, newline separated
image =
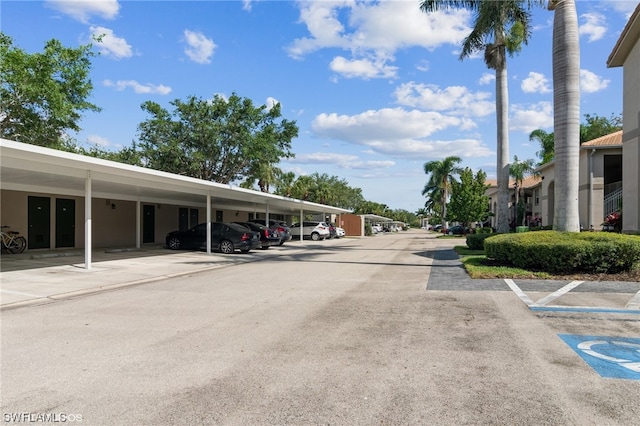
<point x="613" y="357"/>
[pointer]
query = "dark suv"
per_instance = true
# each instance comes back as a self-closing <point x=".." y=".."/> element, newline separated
<point x="278" y="225"/>
<point x="225" y="237"/>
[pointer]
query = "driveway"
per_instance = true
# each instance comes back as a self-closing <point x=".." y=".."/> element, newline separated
<point x="352" y="332"/>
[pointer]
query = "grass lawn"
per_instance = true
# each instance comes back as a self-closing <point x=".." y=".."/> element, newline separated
<point x="479" y="267"/>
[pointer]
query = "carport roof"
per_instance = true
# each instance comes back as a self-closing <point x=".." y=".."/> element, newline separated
<point x="31" y="168"/>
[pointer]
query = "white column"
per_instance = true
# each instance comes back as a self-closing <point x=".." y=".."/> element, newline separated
<point x="301" y="224"/>
<point x="138" y="223"/>
<point x="87" y="222"/>
<point x="208" y="223"/>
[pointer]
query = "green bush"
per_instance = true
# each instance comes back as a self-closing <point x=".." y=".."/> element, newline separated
<point x="485" y="230"/>
<point x="564" y="252"/>
<point x="476" y="241"/>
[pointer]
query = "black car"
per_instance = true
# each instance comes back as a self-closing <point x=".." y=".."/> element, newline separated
<point x="457" y="230"/>
<point x="225" y="237"/>
<point x="280" y="226"/>
<point x="269" y="237"/>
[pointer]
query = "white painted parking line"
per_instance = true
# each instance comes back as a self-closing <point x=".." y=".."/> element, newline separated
<point x="20" y="293"/>
<point x="519" y="292"/>
<point x="560" y="292"/>
<point x="634" y="303"/>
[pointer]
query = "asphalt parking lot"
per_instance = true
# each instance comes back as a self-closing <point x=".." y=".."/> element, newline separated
<point x="381" y="330"/>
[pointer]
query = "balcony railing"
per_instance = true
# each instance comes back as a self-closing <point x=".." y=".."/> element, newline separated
<point x="612" y="201"/>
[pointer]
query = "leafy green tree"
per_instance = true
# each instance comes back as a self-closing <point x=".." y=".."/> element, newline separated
<point x="264" y="174"/>
<point x="440" y="181"/>
<point x="519" y="170"/>
<point x="500" y="28"/>
<point x="372" y="207"/>
<point x="545" y="140"/>
<point x="597" y="126"/>
<point x="284" y="184"/>
<point x="469" y="204"/>
<point x="594" y="128"/>
<point x="302" y="188"/>
<point x="218" y="140"/>
<point x="566" y="114"/>
<point x="42" y="95"/>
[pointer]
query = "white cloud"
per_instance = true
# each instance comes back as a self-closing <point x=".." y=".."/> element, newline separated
<point x="322" y="158"/>
<point x="594" y="26"/>
<point x="423" y="66"/>
<point x="271" y="102"/>
<point x="535" y="83"/>
<point x="531" y="117"/>
<point x="199" y="48"/>
<point x="110" y="44"/>
<point x="343" y="161"/>
<point x="590" y="82"/>
<point x="487" y="78"/>
<point x="369" y="165"/>
<point x="398" y="133"/>
<point x="374" y="30"/>
<point x="98" y="140"/>
<point x="82" y="10"/>
<point x="455" y="99"/>
<point x="121" y="85"/>
<point x="363" y="68"/>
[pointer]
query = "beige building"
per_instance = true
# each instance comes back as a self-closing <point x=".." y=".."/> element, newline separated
<point x="61" y="200"/>
<point x="626" y="54"/>
<point x="609" y="165"/>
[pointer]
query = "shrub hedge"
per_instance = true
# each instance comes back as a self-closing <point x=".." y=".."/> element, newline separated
<point x="564" y="252"/>
<point x="476" y="241"/>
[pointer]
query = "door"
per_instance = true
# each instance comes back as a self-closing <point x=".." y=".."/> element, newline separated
<point x="65" y="222"/>
<point x="148" y="223"/>
<point x="194" y="217"/>
<point x="39" y="218"/>
<point x="183" y="219"/>
<point x="219" y="215"/>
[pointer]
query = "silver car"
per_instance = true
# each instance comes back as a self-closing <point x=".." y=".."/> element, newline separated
<point x="311" y="230"/>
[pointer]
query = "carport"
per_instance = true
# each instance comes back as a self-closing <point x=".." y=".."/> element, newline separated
<point x="33" y="169"/>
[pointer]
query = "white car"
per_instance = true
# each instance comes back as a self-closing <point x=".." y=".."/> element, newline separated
<point x="310" y="229"/>
<point x="340" y="232"/>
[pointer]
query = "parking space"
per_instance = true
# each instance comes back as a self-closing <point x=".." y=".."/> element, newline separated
<point x="43" y="276"/>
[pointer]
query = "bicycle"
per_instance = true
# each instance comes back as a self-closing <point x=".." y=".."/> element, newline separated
<point x="12" y="241"/>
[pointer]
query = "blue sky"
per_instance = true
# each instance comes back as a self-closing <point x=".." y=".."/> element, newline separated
<point x="376" y="87"/>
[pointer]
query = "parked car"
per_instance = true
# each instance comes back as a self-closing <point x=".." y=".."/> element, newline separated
<point x="269" y="237"/>
<point x="340" y="232"/>
<point x="437" y="228"/>
<point x="279" y="225"/>
<point x="457" y="230"/>
<point x="311" y="229"/>
<point x="225" y="237"/>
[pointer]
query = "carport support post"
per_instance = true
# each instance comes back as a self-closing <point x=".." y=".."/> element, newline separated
<point x="208" y="223"/>
<point x="87" y="221"/>
<point x="138" y="220"/>
<point x="301" y="224"/>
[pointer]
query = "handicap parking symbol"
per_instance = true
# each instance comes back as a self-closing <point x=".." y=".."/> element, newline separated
<point x="613" y="357"/>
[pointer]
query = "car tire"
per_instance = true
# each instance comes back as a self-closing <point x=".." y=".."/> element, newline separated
<point x="174" y="243"/>
<point x="315" y="236"/>
<point x="245" y="251"/>
<point x="226" y="247"/>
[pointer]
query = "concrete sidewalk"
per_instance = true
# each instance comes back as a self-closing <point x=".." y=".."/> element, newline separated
<point x="38" y="277"/>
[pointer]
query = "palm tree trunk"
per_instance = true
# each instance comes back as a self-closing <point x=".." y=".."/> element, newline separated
<point x="566" y="114"/>
<point x="502" y="166"/>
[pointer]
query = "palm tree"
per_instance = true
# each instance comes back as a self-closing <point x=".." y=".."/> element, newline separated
<point x="545" y="140"/>
<point x="439" y="183"/>
<point x="519" y="170"/>
<point x="566" y="114"/>
<point x="507" y="22"/>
